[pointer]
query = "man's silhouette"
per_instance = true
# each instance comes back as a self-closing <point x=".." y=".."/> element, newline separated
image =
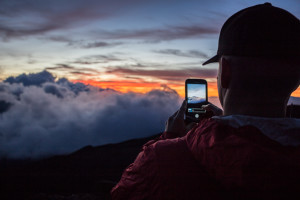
<point x="250" y="151"/>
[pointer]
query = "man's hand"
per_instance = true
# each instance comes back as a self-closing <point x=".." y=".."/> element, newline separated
<point x="175" y="126"/>
<point x="212" y="110"/>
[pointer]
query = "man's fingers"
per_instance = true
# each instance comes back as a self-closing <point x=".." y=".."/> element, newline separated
<point x="211" y="107"/>
<point x="179" y="113"/>
<point x="175" y="114"/>
<point x="207" y="107"/>
<point x="182" y="110"/>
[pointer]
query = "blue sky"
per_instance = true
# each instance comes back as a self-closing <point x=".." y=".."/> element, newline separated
<point x="197" y="90"/>
<point x="124" y="40"/>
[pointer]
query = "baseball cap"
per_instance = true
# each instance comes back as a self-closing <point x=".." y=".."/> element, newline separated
<point x="260" y="30"/>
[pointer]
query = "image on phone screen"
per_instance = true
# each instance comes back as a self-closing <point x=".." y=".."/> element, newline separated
<point x="196" y="97"/>
<point x="196" y="93"/>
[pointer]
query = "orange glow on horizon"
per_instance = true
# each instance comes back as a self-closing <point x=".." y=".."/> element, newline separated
<point x="296" y="93"/>
<point x="123" y="86"/>
<point x="144" y="87"/>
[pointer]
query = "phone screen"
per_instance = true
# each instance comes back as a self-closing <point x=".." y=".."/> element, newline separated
<point x="196" y="93"/>
<point x="196" y="96"/>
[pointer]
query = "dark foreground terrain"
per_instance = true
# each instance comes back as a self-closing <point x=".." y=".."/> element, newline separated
<point x="87" y="174"/>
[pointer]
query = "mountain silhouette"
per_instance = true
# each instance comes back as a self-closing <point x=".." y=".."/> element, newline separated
<point x="195" y="99"/>
<point x="88" y="173"/>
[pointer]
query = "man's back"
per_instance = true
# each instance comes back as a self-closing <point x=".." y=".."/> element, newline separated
<point x="252" y="151"/>
<point x="216" y="160"/>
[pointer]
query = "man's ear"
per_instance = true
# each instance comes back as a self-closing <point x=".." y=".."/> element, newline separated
<point x="225" y="73"/>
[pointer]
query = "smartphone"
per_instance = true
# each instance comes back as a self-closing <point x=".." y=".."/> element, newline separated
<point x="196" y="97"/>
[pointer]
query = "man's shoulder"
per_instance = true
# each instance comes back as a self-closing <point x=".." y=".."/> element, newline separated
<point x="170" y="148"/>
<point x="217" y="139"/>
<point x="282" y="130"/>
<point x="238" y="155"/>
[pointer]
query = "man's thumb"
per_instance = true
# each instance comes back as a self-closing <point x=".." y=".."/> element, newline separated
<point x="182" y="109"/>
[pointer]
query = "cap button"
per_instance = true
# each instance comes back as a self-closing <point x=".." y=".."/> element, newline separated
<point x="267" y="4"/>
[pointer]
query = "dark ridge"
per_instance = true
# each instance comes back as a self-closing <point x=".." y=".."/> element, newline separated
<point x="88" y="173"/>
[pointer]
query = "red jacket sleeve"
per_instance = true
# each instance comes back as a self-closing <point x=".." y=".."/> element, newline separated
<point x="136" y="179"/>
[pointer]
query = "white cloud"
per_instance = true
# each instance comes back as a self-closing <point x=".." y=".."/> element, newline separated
<point x="52" y="119"/>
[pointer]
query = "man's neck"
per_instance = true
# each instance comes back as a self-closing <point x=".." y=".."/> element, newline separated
<point x="269" y="109"/>
<point x="271" y="114"/>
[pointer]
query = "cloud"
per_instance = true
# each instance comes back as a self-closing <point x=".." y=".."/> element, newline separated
<point x="32" y="79"/>
<point x="81" y="43"/>
<point x="160" y="34"/>
<point x="67" y="69"/>
<point x="95" y="59"/>
<point x="43" y="79"/>
<point x="35" y="18"/>
<point x="7" y="32"/>
<point x="168" y="74"/>
<point x="177" y="52"/>
<point x="61" y="67"/>
<point x="46" y="19"/>
<point x="59" y="117"/>
<point x="61" y="38"/>
<point x="80" y="73"/>
<point x="100" y="44"/>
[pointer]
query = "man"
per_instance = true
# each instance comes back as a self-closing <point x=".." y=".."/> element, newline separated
<point x="251" y="151"/>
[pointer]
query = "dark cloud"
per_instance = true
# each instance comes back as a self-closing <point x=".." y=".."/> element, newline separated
<point x="74" y="87"/>
<point x="96" y="59"/>
<point x="53" y="89"/>
<point x="46" y="80"/>
<point x="74" y="70"/>
<point x="86" y="62"/>
<point x="84" y="74"/>
<point x="63" y="39"/>
<point x="100" y="44"/>
<point x="51" y="15"/>
<point x="160" y="34"/>
<point x="177" y="52"/>
<point x="81" y="43"/>
<point x="7" y="32"/>
<point x="167" y="74"/>
<point x="50" y="118"/>
<point x="32" y="79"/>
<point x="31" y="18"/>
<point x="61" y="67"/>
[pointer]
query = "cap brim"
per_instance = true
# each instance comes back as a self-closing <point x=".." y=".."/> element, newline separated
<point x="213" y="59"/>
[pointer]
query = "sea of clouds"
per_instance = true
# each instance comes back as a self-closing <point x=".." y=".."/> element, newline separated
<point x="41" y="116"/>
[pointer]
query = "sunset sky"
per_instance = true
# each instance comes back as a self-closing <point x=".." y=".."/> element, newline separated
<point x="126" y="45"/>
